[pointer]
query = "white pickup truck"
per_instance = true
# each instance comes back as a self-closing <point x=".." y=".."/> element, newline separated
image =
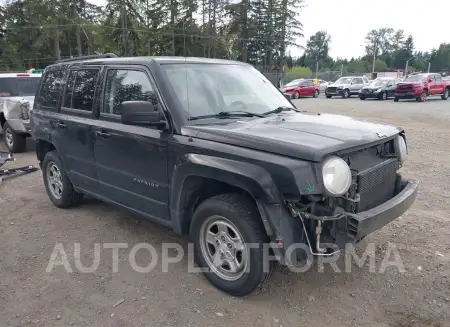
<point x="17" y="92"/>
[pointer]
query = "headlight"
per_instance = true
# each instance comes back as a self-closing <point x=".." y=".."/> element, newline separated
<point x="378" y="91"/>
<point x="400" y="148"/>
<point x="337" y="177"/>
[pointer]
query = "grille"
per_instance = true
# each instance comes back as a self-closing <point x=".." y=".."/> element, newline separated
<point x="376" y="185"/>
<point x="331" y="89"/>
<point x="404" y="87"/>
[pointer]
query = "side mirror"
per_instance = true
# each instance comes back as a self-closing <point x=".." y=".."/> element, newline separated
<point x="140" y="113"/>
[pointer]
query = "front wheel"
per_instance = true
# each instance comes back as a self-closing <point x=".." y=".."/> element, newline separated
<point x="383" y="96"/>
<point x="396" y="99"/>
<point x="222" y="229"/>
<point x="316" y="94"/>
<point x="58" y="186"/>
<point x="297" y="95"/>
<point x="15" y="142"/>
<point x="445" y="95"/>
<point x="328" y="96"/>
<point x="362" y="98"/>
<point x="423" y="97"/>
<point x="346" y="94"/>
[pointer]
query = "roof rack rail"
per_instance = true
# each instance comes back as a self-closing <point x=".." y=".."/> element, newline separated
<point x="96" y="56"/>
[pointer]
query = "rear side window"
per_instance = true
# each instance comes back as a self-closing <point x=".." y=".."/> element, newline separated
<point x="80" y="89"/>
<point x="18" y="86"/>
<point x="51" y="88"/>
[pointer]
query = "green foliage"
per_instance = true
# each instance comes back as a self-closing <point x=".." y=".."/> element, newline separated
<point x="297" y="72"/>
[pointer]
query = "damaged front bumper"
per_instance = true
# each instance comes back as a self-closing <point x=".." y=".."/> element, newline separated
<point x="325" y="235"/>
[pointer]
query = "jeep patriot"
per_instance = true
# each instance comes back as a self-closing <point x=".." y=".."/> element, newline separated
<point x="211" y="149"/>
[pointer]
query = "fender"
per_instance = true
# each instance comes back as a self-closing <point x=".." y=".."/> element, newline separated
<point x="252" y="178"/>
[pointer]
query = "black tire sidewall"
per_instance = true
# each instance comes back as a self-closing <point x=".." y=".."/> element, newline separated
<point x="19" y="140"/>
<point x="255" y="275"/>
<point x="65" y="200"/>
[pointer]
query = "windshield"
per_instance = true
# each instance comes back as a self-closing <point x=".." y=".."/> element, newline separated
<point x="415" y="78"/>
<point x="344" y="80"/>
<point x="209" y="89"/>
<point x="380" y="82"/>
<point x="18" y="86"/>
<point x="294" y="82"/>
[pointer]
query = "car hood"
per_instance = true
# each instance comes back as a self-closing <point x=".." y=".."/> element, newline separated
<point x="308" y="136"/>
<point x="409" y="83"/>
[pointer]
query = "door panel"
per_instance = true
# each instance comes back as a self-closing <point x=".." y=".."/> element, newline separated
<point x="131" y="160"/>
<point x="132" y="166"/>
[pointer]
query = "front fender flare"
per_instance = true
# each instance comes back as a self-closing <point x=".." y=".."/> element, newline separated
<point x="250" y="177"/>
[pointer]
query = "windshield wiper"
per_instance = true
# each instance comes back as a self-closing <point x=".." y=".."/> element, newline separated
<point x="278" y="110"/>
<point x="227" y="114"/>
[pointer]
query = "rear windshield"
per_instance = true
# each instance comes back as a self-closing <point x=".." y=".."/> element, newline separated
<point x="18" y="86"/>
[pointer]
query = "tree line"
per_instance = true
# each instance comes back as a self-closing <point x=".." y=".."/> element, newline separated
<point x="390" y="48"/>
<point x="37" y="32"/>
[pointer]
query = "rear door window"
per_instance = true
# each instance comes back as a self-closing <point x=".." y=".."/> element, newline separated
<point x="80" y="89"/>
<point x="18" y="86"/>
<point x="51" y="89"/>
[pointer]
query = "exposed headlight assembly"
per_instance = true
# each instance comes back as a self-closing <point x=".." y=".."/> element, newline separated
<point x="25" y="110"/>
<point x="337" y="177"/>
<point x="400" y="148"/>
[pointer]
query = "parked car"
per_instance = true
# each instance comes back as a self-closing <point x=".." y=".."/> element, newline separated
<point x="346" y="86"/>
<point x="420" y="86"/>
<point x="210" y="148"/>
<point x="323" y="85"/>
<point x="299" y="88"/>
<point x="382" y="88"/>
<point x="16" y="98"/>
<point x="446" y="78"/>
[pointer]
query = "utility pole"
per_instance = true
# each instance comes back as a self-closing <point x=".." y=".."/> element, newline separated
<point x="317" y="68"/>
<point x="429" y="66"/>
<point x="374" y="58"/>
<point x="406" y="68"/>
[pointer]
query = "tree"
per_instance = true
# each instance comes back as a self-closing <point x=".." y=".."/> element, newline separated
<point x="317" y="49"/>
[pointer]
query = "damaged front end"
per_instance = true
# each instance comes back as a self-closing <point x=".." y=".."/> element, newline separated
<point x="377" y="195"/>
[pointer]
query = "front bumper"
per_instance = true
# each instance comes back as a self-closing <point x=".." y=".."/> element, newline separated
<point x="366" y="222"/>
<point x="345" y="228"/>
<point x="369" y="95"/>
<point x="408" y="95"/>
<point x="336" y="92"/>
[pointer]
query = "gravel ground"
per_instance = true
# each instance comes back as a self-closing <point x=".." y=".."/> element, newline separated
<point x="30" y="226"/>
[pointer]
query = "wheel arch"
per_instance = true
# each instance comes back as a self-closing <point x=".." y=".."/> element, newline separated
<point x="202" y="177"/>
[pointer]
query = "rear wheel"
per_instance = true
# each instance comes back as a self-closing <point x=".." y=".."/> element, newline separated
<point x="362" y="98"/>
<point x="396" y="99"/>
<point x="222" y="229"/>
<point x="58" y="186"/>
<point x="445" y="95"/>
<point x="328" y="96"/>
<point x="15" y="142"/>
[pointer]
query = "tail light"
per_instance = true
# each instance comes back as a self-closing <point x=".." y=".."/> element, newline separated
<point x="22" y="74"/>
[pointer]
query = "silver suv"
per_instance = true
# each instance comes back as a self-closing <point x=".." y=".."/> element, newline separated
<point x="16" y="99"/>
<point x="346" y="86"/>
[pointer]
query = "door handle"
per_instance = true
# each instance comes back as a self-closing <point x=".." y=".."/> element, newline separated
<point x="103" y="135"/>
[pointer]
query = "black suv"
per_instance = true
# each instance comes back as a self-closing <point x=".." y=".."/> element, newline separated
<point x="212" y="149"/>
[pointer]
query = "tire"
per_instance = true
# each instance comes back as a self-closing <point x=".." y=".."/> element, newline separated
<point x="383" y="96"/>
<point x="62" y="195"/>
<point x="396" y="99"/>
<point x="346" y="94"/>
<point x="328" y="96"/>
<point x="316" y="94"/>
<point x="423" y="97"/>
<point x="296" y="95"/>
<point x="240" y="216"/>
<point x="15" y="142"/>
<point x="362" y="98"/>
<point x="445" y="95"/>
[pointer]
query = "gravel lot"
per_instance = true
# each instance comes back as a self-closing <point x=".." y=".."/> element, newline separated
<point x="30" y="226"/>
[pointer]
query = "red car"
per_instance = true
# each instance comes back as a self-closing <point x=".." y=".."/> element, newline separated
<point x="420" y="86"/>
<point x="301" y="88"/>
